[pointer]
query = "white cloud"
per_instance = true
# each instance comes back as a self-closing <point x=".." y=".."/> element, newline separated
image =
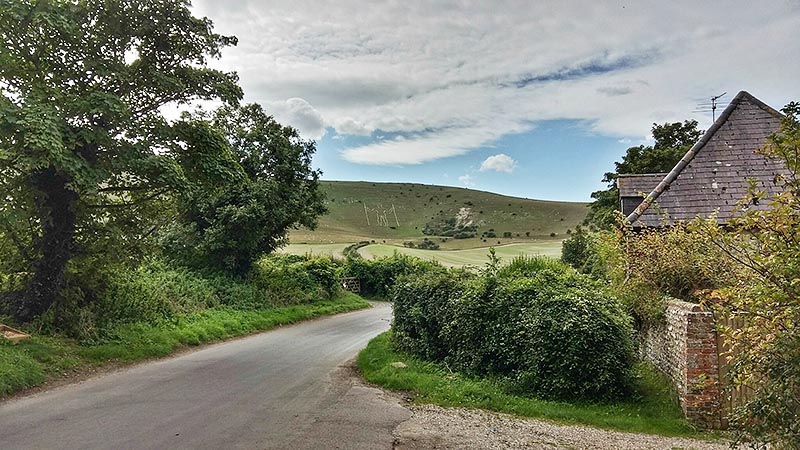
<point x="499" y="163"/>
<point x="352" y="127"/>
<point x="454" y="78"/>
<point x="467" y="180"/>
<point x="422" y="147"/>
<point x="299" y="114"/>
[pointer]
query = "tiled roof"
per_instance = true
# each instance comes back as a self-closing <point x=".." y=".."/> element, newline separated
<point x="719" y="166"/>
<point x="638" y="185"/>
<point x="634" y="187"/>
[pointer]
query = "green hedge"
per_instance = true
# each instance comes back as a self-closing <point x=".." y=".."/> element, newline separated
<point x="157" y="292"/>
<point x="551" y="333"/>
<point x="377" y="276"/>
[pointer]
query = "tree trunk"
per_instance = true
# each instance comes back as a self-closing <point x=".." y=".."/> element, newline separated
<point x="55" y="208"/>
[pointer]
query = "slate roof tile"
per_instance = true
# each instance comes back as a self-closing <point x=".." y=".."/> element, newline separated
<point x="716" y="178"/>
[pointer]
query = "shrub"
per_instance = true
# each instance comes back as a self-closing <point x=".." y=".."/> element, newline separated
<point x="575" y="341"/>
<point x="288" y="275"/>
<point x="551" y="332"/>
<point x="157" y="292"/>
<point x="646" y="267"/>
<point x="527" y="266"/>
<point x="377" y="276"/>
<point x="578" y="251"/>
<point x="421" y="306"/>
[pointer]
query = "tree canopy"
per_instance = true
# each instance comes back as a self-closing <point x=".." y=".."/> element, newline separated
<point x="89" y="163"/>
<point x="229" y="227"/>
<point x="672" y="141"/>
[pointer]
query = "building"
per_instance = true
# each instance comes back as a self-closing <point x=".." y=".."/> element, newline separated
<point x="714" y="175"/>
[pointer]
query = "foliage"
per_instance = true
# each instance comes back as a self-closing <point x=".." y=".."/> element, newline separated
<point x="296" y="279"/>
<point x="580" y="252"/>
<point x="528" y="266"/>
<point x="85" y="151"/>
<point x="552" y="333"/>
<point x="672" y="141"/>
<point x="157" y="292"/>
<point x="644" y="268"/>
<point x="229" y="227"/>
<point x="377" y="276"/>
<point x="765" y="240"/>
<point x="651" y="408"/>
<point x="424" y="244"/>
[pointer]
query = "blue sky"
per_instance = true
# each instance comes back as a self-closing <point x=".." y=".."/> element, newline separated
<point x="557" y="160"/>
<point x="532" y="99"/>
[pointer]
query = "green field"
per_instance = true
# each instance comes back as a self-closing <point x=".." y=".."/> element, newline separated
<point x="332" y="250"/>
<point x="392" y="213"/>
<point x="469" y="257"/>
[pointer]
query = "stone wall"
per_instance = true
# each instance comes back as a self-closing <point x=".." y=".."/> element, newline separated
<point x="685" y="348"/>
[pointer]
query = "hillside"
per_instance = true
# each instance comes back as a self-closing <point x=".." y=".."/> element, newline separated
<point x="399" y="212"/>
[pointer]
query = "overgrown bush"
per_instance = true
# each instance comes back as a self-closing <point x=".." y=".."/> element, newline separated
<point x="377" y="276"/>
<point x="157" y="292"/>
<point x="580" y="251"/>
<point x="552" y="333"/>
<point x="646" y="267"/>
<point x="526" y="266"/>
<point x="765" y="350"/>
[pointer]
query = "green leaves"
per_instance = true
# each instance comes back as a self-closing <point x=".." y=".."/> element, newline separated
<point x="672" y="141"/>
<point x="549" y="331"/>
<point x="259" y="184"/>
<point x="765" y="351"/>
<point x="82" y="86"/>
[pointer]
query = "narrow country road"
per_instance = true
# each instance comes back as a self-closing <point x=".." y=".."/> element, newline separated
<point x="279" y="389"/>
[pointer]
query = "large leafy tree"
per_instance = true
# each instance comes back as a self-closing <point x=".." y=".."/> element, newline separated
<point x="672" y="141"/>
<point x="84" y="144"/>
<point x="228" y="228"/>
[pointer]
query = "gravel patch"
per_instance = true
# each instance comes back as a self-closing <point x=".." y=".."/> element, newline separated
<point x="433" y="427"/>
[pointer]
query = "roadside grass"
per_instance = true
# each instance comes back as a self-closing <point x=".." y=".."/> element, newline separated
<point x="34" y="361"/>
<point x="652" y="409"/>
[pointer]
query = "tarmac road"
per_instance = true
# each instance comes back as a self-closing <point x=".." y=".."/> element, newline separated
<point x="287" y="388"/>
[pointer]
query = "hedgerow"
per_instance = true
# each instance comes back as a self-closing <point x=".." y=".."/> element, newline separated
<point x="158" y="292"/>
<point x="551" y="333"/>
<point x="377" y="276"/>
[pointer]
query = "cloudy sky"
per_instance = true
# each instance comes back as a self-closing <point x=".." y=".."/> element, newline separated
<point x="532" y="99"/>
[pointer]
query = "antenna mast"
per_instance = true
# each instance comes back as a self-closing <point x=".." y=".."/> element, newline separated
<point x="714" y="106"/>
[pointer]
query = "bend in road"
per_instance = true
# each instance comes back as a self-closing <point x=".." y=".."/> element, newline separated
<point x="270" y="390"/>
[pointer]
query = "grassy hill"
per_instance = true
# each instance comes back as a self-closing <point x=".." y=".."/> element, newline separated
<point x="397" y="212"/>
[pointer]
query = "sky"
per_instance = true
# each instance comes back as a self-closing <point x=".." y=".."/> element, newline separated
<point x="530" y="99"/>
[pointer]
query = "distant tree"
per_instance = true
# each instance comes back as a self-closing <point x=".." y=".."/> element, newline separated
<point x="672" y="141"/>
<point x="84" y="145"/>
<point x="228" y="228"/>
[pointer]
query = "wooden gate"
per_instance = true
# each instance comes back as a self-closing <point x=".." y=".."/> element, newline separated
<point x="729" y="397"/>
<point x="351" y="284"/>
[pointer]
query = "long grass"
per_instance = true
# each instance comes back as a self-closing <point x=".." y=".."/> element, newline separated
<point x="41" y="358"/>
<point x="651" y="410"/>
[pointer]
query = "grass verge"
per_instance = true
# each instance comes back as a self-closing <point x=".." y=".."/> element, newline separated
<point x="651" y="409"/>
<point x="42" y="358"/>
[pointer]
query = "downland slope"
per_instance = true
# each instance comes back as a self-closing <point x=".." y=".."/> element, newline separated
<point x="453" y="218"/>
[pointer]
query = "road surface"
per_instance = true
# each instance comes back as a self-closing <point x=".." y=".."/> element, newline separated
<point x="285" y="388"/>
